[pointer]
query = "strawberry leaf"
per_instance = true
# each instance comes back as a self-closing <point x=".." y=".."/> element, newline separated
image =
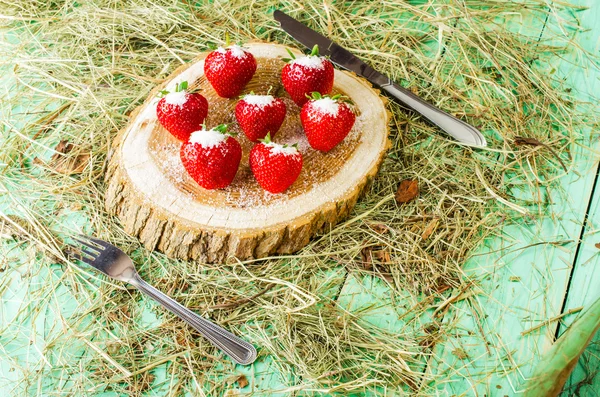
<point x="315" y="50"/>
<point x="222" y="128"/>
<point x="292" y="56"/>
<point x="162" y="93"/>
<point x="181" y="86"/>
<point x="266" y="139"/>
<point x="342" y="98"/>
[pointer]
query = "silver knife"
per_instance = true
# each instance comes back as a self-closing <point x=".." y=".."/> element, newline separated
<point x="461" y="131"/>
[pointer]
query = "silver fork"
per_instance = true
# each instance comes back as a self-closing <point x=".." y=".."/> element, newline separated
<point x="113" y="262"/>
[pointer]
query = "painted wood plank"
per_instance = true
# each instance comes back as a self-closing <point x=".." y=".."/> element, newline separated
<point x="585" y="289"/>
<point x="584" y="286"/>
<point x="369" y="298"/>
<point x="585" y="280"/>
<point x="371" y="302"/>
<point x="520" y="286"/>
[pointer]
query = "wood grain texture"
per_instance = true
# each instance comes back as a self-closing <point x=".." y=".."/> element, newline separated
<point x="157" y="201"/>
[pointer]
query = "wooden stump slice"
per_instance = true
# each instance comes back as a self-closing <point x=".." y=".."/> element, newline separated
<point x="150" y="191"/>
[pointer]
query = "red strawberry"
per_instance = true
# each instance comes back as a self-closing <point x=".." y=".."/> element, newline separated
<point x="275" y="166"/>
<point x="211" y="157"/>
<point x="307" y="74"/>
<point x="326" y="121"/>
<point x="259" y="115"/>
<point x="181" y="112"/>
<point x="229" y="70"/>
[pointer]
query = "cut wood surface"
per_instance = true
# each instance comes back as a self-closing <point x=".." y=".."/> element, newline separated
<point x="150" y="191"/>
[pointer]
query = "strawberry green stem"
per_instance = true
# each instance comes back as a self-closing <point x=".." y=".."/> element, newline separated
<point x="266" y="139"/>
<point x="181" y="86"/>
<point x="315" y="51"/>
<point x="222" y="128"/>
<point x="337" y="97"/>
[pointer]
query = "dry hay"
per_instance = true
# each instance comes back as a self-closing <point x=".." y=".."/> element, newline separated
<point x="81" y="67"/>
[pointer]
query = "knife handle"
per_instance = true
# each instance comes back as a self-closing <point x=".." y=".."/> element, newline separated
<point x="461" y="131"/>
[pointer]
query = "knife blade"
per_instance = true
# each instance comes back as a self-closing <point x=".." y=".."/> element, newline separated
<point x="461" y="131"/>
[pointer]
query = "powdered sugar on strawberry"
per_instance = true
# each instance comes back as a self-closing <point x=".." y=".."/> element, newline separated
<point x="327" y="105"/>
<point x="311" y="61"/>
<point x="259" y="100"/>
<point x="176" y="98"/>
<point x="207" y="138"/>
<point x="281" y="149"/>
<point x="322" y="106"/>
<point x="236" y="51"/>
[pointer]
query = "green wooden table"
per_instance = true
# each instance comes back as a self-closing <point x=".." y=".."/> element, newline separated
<point x="533" y="283"/>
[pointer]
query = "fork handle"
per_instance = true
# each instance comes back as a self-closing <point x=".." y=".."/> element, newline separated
<point x="239" y="350"/>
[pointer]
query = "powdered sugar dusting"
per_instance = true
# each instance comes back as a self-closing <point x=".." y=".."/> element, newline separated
<point x="259" y="100"/>
<point x="310" y="61"/>
<point x="174" y="168"/>
<point x="327" y="106"/>
<point x="236" y="51"/>
<point x="360" y="124"/>
<point x="259" y="203"/>
<point x="281" y="149"/>
<point x="176" y="98"/>
<point x="207" y="138"/>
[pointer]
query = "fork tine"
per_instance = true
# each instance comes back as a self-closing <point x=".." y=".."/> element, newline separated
<point x="101" y="243"/>
<point x="91" y="252"/>
<point x="85" y="240"/>
<point x="88" y="250"/>
<point x="86" y="260"/>
<point x="78" y="256"/>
